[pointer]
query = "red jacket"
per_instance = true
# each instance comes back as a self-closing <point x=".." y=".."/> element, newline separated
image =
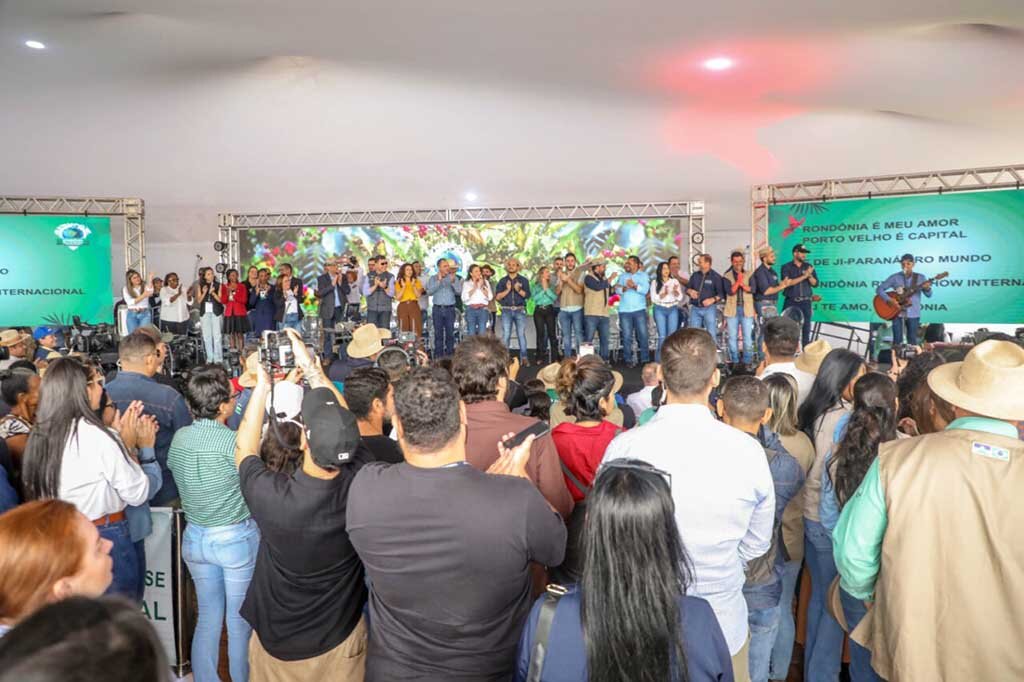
<point x="581" y="449"/>
<point x="236" y="307"/>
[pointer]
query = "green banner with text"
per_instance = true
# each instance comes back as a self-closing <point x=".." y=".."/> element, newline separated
<point x="977" y="237"/>
<point x="53" y="268"/>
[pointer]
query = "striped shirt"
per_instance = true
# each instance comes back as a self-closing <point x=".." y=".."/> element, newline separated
<point x="202" y="460"/>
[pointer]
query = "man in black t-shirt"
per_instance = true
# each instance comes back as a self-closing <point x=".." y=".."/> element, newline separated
<point x="305" y="601"/>
<point x="447" y="548"/>
<point x="369" y="395"/>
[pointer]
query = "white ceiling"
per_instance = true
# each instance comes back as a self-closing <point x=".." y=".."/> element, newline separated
<point x="201" y="106"/>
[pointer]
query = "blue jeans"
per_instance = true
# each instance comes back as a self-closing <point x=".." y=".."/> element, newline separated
<point x="125" y="559"/>
<point x="666" y="319"/>
<point x="706" y="318"/>
<point x="734" y="324"/>
<point x="134" y="319"/>
<point x="630" y="324"/>
<point x="381" y="319"/>
<point x="516" y="318"/>
<point x="823" y="650"/>
<point x="290" y="321"/>
<point x="212" y="337"/>
<point x="860" y="658"/>
<point x="221" y="560"/>
<point x="764" y="626"/>
<point x="599" y="324"/>
<point x="476" y="321"/>
<point x="913" y="324"/>
<point x="571" y="322"/>
<point x="782" y="653"/>
<point x="444" y="330"/>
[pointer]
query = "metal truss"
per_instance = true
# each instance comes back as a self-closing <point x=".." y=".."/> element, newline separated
<point x="132" y="210"/>
<point x="692" y="211"/>
<point x="933" y="182"/>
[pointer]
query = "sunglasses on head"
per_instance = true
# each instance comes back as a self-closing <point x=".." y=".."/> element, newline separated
<point x="625" y="464"/>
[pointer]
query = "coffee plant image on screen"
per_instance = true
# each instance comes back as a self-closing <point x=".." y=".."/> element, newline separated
<point x="534" y="244"/>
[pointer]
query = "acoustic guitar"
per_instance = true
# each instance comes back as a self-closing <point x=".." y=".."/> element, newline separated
<point x="900" y="298"/>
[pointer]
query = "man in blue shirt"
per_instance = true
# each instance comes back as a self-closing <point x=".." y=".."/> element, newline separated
<point x="765" y="287"/>
<point x="512" y="292"/>
<point x="633" y="311"/>
<point x="911" y="315"/>
<point x="445" y="287"/>
<point x="705" y="291"/>
<point x="799" y="294"/>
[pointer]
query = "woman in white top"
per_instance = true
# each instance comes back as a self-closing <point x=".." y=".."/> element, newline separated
<point x="136" y="295"/>
<point x="174" y="315"/>
<point x="72" y="456"/>
<point x="666" y="295"/>
<point x="476" y="295"/>
<point x="206" y="296"/>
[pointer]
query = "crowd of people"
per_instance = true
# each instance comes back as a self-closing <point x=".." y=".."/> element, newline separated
<point x="385" y="519"/>
<point x="568" y="300"/>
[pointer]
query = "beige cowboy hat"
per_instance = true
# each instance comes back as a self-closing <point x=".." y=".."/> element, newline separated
<point x="987" y="382"/>
<point x="247" y="379"/>
<point x="366" y="341"/>
<point x="835" y="605"/>
<point x="12" y="337"/>
<point x="813" y="355"/>
<point x="549" y="375"/>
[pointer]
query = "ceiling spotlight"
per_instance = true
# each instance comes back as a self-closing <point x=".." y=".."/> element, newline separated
<point x="718" y="63"/>
<point x="470" y="196"/>
<point x="220" y="268"/>
<point x="35" y="45"/>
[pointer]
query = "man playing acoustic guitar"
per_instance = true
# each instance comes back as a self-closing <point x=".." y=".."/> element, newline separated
<point x="901" y="282"/>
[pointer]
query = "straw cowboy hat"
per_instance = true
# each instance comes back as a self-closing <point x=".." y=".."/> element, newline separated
<point x="834" y="605"/>
<point x="812" y="357"/>
<point x="366" y="341"/>
<point x="549" y="375"/>
<point x="987" y="382"/>
<point x="12" y="337"/>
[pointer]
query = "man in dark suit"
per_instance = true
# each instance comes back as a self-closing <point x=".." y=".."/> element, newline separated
<point x="332" y="292"/>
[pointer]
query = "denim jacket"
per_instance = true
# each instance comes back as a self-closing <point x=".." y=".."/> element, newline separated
<point x="164" y="403"/>
<point x="788" y="479"/>
<point x="140" y="523"/>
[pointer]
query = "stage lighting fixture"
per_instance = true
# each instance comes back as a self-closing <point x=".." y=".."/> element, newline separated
<point x="698" y="238"/>
<point x="718" y="63"/>
<point x="35" y="45"/>
<point x="470" y="196"/>
<point x="219" y="246"/>
<point x="220" y="268"/>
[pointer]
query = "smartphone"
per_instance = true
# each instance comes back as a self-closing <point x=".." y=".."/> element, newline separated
<point x="586" y="349"/>
<point x="539" y="429"/>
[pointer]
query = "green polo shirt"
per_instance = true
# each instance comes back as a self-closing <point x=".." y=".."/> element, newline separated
<point x="202" y="460"/>
<point x="857" y="538"/>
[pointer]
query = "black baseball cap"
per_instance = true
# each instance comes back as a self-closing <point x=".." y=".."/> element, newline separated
<point x="801" y="248"/>
<point x="907" y="257"/>
<point x="331" y="430"/>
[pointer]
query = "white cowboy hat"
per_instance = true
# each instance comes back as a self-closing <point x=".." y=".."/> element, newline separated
<point x="813" y="355"/>
<point x="987" y="382"/>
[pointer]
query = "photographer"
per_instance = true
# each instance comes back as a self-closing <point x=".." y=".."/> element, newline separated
<point x="307" y="593"/>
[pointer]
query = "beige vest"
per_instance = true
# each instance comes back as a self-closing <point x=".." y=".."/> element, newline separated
<point x="595" y="302"/>
<point x="732" y="299"/>
<point x="569" y="297"/>
<point x="949" y="601"/>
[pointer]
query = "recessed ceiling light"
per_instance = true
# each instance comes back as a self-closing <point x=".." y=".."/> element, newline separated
<point x="470" y="196"/>
<point x="35" y="45"/>
<point x="718" y="63"/>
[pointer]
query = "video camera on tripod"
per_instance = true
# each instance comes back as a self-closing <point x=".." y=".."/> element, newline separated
<point x="404" y="343"/>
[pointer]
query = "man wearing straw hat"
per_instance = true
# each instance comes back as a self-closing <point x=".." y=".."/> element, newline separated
<point x="16" y="343"/>
<point x="934" y="536"/>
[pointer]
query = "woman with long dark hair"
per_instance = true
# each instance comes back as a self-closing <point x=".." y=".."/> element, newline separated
<point x="630" y="618"/>
<point x="666" y="295"/>
<point x="476" y="296"/>
<point x="136" y="295"/>
<point x="211" y="313"/>
<point x="830" y="398"/>
<point x="872" y="422"/>
<point x="408" y="289"/>
<point x="20" y="390"/>
<point x="235" y="298"/>
<point x="72" y="456"/>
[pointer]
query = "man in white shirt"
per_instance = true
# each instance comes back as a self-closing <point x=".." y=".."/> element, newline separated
<point x="721" y="485"/>
<point x="641" y="400"/>
<point x="780" y="344"/>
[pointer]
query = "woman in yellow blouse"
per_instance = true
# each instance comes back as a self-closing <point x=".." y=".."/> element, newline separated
<point x="408" y="290"/>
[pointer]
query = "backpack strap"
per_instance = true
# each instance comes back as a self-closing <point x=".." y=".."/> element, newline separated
<point x="577" y="483"/>
<point x="540" y="637"/>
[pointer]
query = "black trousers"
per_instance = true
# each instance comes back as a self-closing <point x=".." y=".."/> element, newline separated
<point x="176" y="328"/>
<point x="544" y="319"/>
